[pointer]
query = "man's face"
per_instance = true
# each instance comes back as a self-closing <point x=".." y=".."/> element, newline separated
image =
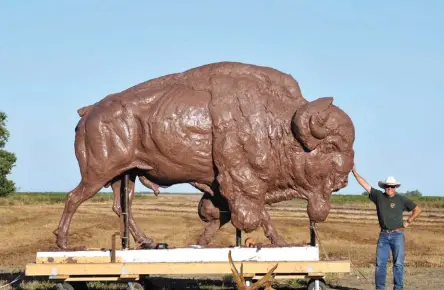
<point x="390" y="190"/>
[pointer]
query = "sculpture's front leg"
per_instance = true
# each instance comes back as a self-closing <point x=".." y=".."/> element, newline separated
<point x="214" y="211"/>
<point x="270" y="231"/>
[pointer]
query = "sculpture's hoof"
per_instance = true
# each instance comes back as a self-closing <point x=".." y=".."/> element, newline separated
<point x="146" y="244"/>
<point x="62" y="243"/>
<point x="280" y="242"/>
<point x="202" y="242"/>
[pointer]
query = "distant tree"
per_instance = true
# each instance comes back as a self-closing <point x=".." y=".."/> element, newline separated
<point x="413" y="193"/>
<point x="7" y="159"/>
<point x="365" y="193"/>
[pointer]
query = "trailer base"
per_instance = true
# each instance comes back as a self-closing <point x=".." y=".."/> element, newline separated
<point x="132" y="266"/>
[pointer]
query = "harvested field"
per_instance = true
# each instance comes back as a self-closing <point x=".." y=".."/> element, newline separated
<point x="351" y="231"/>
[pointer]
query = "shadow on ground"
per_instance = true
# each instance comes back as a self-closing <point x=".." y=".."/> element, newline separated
<point x="19" y="281"/>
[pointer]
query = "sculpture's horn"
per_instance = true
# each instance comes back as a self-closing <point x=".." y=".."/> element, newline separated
<point x="309" y="120"/>
<point x="316" y="126"/>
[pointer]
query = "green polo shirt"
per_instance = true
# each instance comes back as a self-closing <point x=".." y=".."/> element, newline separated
<point x="390" y="209"/>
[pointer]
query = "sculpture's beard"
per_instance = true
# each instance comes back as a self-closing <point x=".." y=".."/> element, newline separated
<point x="318" y="208"/>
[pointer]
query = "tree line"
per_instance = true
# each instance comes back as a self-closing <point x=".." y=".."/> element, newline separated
<point x="408" y="193"/>
<point x="7" y="159"/>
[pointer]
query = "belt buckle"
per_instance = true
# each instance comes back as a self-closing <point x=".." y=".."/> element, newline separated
<point x="392" y="231"/>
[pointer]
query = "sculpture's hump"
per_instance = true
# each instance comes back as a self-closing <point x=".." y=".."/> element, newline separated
<point x="200" y="78"/>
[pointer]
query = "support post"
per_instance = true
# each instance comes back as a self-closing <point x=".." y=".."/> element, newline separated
<point x="238" y="238"/>
<point x="124" y="201"/>
<point x="312" y="234"/>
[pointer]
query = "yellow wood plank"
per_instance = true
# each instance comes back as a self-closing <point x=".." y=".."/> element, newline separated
<point x="210" y="268"/>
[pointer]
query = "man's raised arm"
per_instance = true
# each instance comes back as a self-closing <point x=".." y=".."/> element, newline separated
<point x="361" y="180"/>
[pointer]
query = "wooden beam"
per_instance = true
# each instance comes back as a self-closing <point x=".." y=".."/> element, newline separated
<point x="208" y="268"/>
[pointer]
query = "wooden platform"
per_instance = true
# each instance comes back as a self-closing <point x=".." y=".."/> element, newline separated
<point x="120" y="271"/>
<point x="133" y="264"/>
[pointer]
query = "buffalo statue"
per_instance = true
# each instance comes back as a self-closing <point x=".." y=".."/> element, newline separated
<point x="241" y="133"/>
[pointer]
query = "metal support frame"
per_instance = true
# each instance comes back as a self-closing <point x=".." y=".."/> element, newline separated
<point x="238" y="238"/>
<point x="124" y="205"/>
<point x="312" y="234"/>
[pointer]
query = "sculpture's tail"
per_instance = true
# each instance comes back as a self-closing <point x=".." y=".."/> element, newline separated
<point x="80" y="145"/>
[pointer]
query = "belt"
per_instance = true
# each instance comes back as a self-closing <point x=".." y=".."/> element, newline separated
<point x="392" y="231"/>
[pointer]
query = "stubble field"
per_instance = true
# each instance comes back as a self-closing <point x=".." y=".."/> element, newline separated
<point x="351" y="231"/>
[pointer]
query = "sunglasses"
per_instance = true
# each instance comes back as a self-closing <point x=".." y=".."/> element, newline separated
<point x="390" y="186"/>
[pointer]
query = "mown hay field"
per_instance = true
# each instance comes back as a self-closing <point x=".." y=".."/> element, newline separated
<point x="350" y="231"/>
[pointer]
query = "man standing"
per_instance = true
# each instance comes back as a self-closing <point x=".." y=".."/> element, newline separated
<point x="390" y="207"/>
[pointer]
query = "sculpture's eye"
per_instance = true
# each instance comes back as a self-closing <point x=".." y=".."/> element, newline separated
<point x="329" y="148"/>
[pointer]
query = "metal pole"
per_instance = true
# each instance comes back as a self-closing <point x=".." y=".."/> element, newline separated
<point x="238" y="237"/>
<point x="124" y="201"/>
<point x="312" y="234"/>
<point x="316" y="286"/>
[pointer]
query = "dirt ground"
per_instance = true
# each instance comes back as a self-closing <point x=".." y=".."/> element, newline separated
<point x="348" y="233"/>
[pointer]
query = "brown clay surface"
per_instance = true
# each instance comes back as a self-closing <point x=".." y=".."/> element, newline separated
<point x="349" y="232"/>
<point x="241" y="133"/>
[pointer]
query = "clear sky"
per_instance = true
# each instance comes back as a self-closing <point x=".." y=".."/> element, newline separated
<point x="382" y="61"/>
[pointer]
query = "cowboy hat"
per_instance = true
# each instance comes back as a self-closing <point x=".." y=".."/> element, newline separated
<point x="389" y="181"/>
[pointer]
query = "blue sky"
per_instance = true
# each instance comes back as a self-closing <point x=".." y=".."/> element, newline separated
<point x="382" y="61"/>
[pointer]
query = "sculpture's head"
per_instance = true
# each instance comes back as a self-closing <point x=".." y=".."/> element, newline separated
<point x="327" y="135"/>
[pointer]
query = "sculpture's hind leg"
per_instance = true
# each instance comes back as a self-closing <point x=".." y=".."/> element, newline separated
<point x="81" y="193"/>
<point x="138" y="235"/>
<point x="214" y="211"/>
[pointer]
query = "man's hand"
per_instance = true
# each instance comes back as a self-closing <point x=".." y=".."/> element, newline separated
<point x="416" y="211"/>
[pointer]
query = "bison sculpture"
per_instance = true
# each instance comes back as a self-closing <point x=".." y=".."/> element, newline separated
<point x="241" y="133"/>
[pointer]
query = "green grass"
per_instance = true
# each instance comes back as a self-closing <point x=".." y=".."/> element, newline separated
<point x="45" y="198"/>
<point x="27" y="198"/>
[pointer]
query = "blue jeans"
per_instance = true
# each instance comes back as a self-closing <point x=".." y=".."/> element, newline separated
<point x="395" y="242"/>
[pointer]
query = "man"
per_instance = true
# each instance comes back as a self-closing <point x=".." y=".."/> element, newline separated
<point x="390" y="207"/>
